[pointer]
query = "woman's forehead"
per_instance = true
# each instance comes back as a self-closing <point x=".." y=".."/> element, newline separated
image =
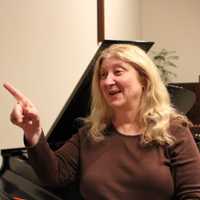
<point x="114" y="61"/>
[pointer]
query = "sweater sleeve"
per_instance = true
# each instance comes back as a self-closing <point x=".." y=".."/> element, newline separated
<point x="59" y="168"/>
<point x="185" y="159"/>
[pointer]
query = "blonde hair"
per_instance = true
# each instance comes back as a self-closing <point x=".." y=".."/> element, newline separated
<point x="155" y="110"/>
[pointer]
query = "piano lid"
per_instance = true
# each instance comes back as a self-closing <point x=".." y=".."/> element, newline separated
<point x="182" y="98"/>
<point x="78" y="103"/>
<point x="192" y="100"/>
<point x="18" y="178"/>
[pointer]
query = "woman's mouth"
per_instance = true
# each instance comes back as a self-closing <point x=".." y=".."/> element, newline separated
<point x="114" y="92"/>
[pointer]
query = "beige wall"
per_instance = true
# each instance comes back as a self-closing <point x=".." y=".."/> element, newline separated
<point x="43" y="53"/>
<point x="45" y="47"/>
<point x="122" y="19"/>
<point x="175" y="25"/>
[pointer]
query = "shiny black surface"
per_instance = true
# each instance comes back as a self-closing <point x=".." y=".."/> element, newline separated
<point x="17" y="178"/>
<point x="182" y="98"/>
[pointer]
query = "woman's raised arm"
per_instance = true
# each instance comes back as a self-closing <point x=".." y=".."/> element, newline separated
<point x="25" y="115"/>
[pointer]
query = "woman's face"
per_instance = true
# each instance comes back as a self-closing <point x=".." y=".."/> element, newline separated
<point x="119" y="84"/>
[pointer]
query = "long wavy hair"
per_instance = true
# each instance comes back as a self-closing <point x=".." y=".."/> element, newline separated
<point x="155" y="111"/>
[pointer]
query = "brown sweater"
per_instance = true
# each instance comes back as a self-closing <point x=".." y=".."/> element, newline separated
<point x="120" y="168"/>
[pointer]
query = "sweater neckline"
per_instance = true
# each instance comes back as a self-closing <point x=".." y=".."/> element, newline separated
<point x="124" y="135"/>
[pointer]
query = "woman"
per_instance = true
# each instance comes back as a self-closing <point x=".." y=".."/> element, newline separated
<point x="134" y="145"/>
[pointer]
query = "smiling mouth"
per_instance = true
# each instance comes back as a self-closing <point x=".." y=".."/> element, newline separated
<point x="114" y="92"/>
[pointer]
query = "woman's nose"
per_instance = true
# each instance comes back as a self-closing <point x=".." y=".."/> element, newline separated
<point x="110" y="79"/>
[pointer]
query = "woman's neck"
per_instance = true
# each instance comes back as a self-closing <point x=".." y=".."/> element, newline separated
<point x="126" y="123"/>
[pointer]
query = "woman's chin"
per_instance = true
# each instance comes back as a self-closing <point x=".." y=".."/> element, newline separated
<point x="116" y="104"/>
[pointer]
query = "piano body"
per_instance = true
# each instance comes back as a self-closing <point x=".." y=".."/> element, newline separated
<point x="190" y="103"/>
<point x="17" y="178"/>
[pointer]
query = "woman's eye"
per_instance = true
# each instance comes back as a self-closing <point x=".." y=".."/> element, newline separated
<point x="103" y="75"/>
<point x="118" y="72"/>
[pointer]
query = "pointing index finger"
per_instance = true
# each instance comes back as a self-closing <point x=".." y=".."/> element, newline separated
<point x="16" y="94"/>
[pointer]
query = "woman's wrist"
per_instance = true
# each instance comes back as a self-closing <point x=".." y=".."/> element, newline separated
<point x="34" y="138"/>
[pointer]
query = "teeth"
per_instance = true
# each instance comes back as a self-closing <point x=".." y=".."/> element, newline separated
<point x="114" y="92"/>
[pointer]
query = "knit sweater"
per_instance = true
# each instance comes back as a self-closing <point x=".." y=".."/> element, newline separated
<point x="120" y="167"/>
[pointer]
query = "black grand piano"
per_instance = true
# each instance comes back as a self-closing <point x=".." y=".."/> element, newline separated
<point x="17" y="178"/>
